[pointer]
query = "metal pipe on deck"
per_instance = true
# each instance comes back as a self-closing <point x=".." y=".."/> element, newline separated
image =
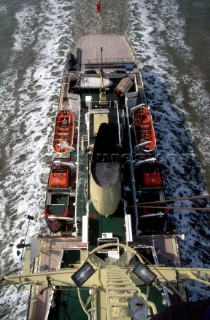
<point x="118" y="121"/>
<point x="132" y="169"/>
<point x="77" y="174"/>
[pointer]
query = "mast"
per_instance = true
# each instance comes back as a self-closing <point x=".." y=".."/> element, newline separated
<point x="102" y="95"/>
<point x="101" y="268"/>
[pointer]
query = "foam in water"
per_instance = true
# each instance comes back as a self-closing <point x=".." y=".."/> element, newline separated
<point x="158" y="38"/>
<point x="31" y="104"/>
<point x="26" y="28"/>
<point x="30" y="92"/>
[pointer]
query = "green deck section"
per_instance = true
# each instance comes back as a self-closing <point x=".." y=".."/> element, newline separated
<point x="59" y="199"/>
<point x="82" y="157"/>
<point x="59" y="203"/>
<point x="154" y="296"/>
<point x="71" y="256"/>
<point x="57" y="209"/>
<point x="67" y="304"/>
<point x="71" y="305"/>
<point x="99" y="224"/>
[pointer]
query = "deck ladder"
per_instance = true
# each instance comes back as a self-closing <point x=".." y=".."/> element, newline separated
<point x="120" y="288"/>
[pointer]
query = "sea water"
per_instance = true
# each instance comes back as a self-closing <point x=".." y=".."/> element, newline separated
<point x="171" y="38"/>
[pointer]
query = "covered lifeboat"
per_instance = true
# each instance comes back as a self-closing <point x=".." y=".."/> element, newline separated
<point x="59" y="210"/>
<point x="64" y="131"/>
<point x="143" y="128"/>
<point x="151" y="199"/>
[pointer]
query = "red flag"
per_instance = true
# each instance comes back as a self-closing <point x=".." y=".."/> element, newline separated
<point x="98" y="7"/>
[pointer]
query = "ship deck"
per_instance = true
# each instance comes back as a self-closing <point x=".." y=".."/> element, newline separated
<point x="116" y="55"/>
<point x="98" y="224"/>
<point x="50" y="259"/>
<point x="60" y="252"/>
<point x="115" y="51"/>
<point x="165" y="246"/>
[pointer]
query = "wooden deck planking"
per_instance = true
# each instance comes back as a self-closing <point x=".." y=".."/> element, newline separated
<point x="116" y="50"/>
<point x="165" y="246"/>
<point x="51" y="257"/>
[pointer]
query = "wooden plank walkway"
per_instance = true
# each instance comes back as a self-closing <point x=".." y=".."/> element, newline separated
<point x="49" y="260"/>
<point x="115" y="48"/>
<point x="165" y="247"/>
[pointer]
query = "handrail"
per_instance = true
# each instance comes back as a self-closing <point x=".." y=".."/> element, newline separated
<point x="77" y="174"/>
<point x="132" y="170"/>
<point x="118" y="121"/>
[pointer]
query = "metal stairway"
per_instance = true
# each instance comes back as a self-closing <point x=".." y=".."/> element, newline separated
<point x="120" y="288"/>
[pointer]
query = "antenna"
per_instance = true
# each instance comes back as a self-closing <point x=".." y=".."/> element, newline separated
<point x="101" y="60"/>
<point x="20" y="245"/>
<point x="102" y="95"/>
<point x="19" y="248"/>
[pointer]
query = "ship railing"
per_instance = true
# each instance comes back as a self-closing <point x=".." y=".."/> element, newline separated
<point x="128" y="225"/>
<point x="139" y="85"/>
<point x="84" y="143"/>
<point x="63" y="90"/>
<point x="131" y="160"/>
<point x="166" y="299"/>
<point x="95" y="105"/>
<point x="81" y="203"/>
<point x="87" y="122"/>
<point x="165" y="295"/>
<point x="139" y="81"/>
<point x="130" y="45"/>
<point x="65" y="85"/>
<point x="85" y="223"/>
<point x="96" y="108"/>
<point x="152" y="188"/>
<point x="155" y="257"/>
<point x="152" y="215"/>
<point x="118" y="122"/>
<point x="77" y="173"/>
<point x="110" y="63"/>
<point x="81" y="182"/>
<point x="53" y="217"/>
<point x="152" y="248"/>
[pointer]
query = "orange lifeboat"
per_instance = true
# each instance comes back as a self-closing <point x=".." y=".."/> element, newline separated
<point x="58" y="206"/>
<point x="64" y="131"/>
<point x="143" y="128"/>
<point x="152" y="179"/>
<point x="152" y="187"/>
<point x="59" y="179"/>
